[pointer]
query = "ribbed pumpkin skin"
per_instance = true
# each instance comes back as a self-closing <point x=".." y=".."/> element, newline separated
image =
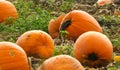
<point x="81" y="22"/>
<point x="7" y="9"/>
<point x="36" y="43"/>
<point x="61" y="62"/>
<point x="12" y="57"/>
<point x="54" y="24"/>
<point x="95" y="43"/>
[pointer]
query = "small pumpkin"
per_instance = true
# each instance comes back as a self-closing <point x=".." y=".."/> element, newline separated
<point x="77" y="22"/>
<point x="93" y="49"/>
<point x="36" y="43"/>
<point x="104" y="2"/>
<point x="7" y="9"/>
<point x="12" y="57"/>
<point x="61" y="62"/>
<point x="54" y="24"/>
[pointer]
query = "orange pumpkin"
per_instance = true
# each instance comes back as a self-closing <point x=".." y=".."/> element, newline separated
<point x="12" y="57"/>
<point x="61" y="62"/>
<point x="54" y="24"/>
<point x="77" y="22"/>
<point x="104" y="2"/>
<point x="93" y="49"/>
<point x="36" y="43"/>
<point x="7" y="9"/>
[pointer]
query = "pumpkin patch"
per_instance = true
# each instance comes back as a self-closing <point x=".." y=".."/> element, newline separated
<point x="86" y="37"/>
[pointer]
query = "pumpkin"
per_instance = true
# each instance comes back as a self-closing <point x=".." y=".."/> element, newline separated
<point x="77" y="22"/>
<point x="54" y="24"/>
<point x="12" y="57"/>
<point x="104" y="2"/>
<point x="61" y="62"/>
<point x="93" y="49"/>
<point x="36" y="43"/>
<point x="7" y="10"/>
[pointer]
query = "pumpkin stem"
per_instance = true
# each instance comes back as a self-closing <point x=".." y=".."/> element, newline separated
<point x="92" y="57"/>
<point x="65" y="24"/>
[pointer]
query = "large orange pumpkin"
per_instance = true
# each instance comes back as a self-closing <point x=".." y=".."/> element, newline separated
<point x="36" y="43"/>
<point x="7" y="9"/>
<point x="93" y="49"/>
<point x="54" y="24"/>
<point x="77" y="22"/>
<point x="12" y="57"/>
<point x="61" y="62"/>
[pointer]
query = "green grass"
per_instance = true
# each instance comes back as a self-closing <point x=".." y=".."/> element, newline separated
<point x="68" y="50"/>
<point x="31" y="17"/>
<point x="111" y="28"/>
